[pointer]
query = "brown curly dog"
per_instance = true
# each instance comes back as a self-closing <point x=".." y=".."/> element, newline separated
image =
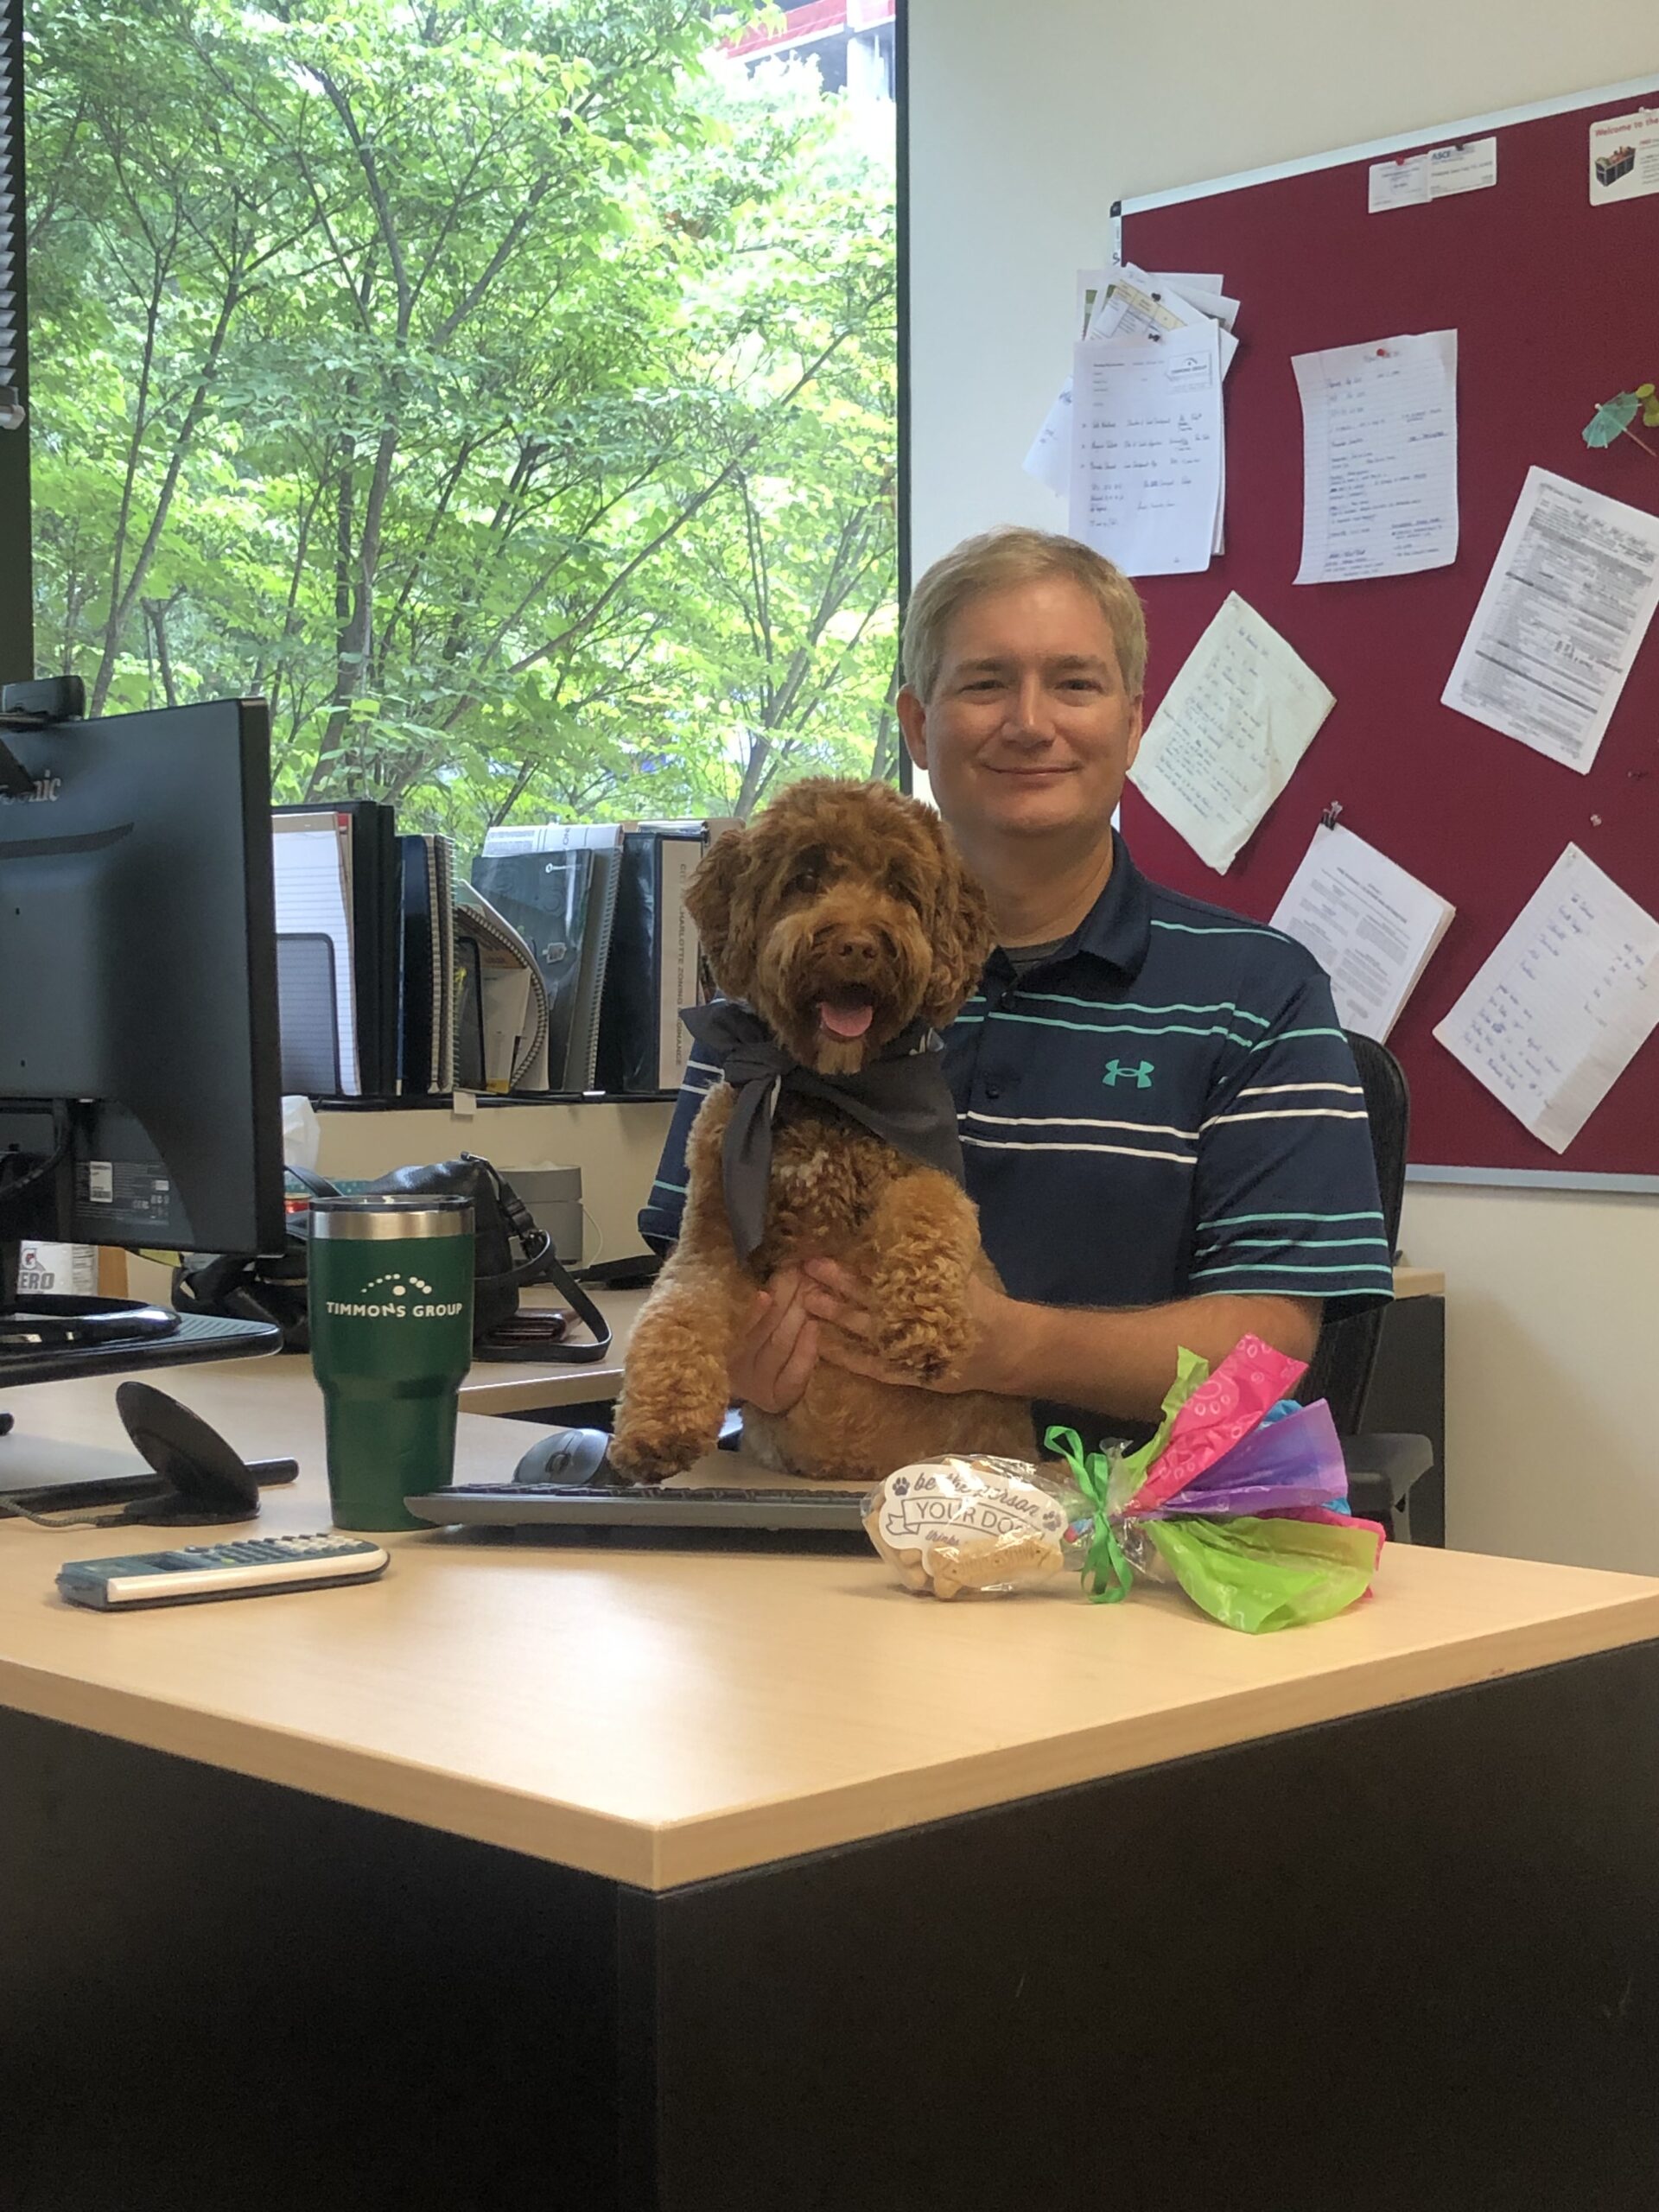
<point x="842" y="916"/>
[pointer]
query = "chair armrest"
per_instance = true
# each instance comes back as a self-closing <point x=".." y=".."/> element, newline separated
<point x="1381" y="1470"/>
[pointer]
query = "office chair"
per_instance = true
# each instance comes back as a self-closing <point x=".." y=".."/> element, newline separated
<point x="1381" y="1470"/>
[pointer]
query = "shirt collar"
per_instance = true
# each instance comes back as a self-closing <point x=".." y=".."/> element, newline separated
<point x="1117" y="929"/>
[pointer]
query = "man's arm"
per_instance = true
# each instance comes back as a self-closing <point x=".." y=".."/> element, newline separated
<point x="1119" y="1363"/>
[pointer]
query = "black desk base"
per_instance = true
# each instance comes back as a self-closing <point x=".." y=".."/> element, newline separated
<point x="1410" y="1959"/>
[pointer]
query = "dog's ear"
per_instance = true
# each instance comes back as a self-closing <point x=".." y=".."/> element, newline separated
<point x="961" y="932"/>
<point x="724" y="925"/>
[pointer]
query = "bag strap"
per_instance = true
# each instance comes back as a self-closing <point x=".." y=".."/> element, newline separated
<point x="540" y="1264"/>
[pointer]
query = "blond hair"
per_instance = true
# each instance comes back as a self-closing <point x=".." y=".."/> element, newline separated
<point x="999" y="559"/>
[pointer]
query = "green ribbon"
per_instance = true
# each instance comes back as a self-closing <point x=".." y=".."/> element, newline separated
<point x="1106" y="1573"/>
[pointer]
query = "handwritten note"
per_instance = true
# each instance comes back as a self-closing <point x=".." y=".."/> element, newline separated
<point x="1147" y="449"/>
<point x="1565" y="1002"/>
<point x="1372" y="927"/>
<point x="1564" y="612"/>
<point x="1233" y="725"/>
<point x="1379" y="458"/>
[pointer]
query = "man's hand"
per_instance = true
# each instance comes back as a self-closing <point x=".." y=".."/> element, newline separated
<point x="837" y="1298"/>
<point x="775" y="1357"/>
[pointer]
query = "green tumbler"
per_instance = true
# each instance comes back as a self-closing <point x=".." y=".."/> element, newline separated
<point x="391" y="1302"/>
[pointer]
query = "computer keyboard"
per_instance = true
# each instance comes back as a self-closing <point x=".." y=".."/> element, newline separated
<point x="528" y="1505"/>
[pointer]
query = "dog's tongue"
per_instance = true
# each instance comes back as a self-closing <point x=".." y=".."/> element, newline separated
<point x="847" y="1018"/>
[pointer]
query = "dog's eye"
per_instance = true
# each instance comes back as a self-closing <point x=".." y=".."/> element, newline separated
<point x="804" y="880"/>
<point x="902" y="887"/>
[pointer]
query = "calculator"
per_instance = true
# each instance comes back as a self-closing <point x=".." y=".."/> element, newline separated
<point x="252" y="1566"/>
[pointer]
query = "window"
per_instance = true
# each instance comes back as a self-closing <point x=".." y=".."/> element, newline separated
<point x="14" y="371"/>
<point x="506" y="389"/>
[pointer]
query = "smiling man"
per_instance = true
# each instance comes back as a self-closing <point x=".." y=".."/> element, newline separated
<point x="1162" y="1124"/>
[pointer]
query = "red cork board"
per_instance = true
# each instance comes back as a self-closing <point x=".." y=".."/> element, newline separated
<point x="1556" y="307"/>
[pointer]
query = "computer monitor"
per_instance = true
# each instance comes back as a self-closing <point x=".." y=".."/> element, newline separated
<point x="139" y="1054"/>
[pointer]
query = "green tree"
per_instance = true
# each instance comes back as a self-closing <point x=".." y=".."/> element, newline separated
<point x="504" y="393"/>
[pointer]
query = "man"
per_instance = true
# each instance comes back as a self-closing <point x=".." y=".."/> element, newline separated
<point x="1163" y="1128"/>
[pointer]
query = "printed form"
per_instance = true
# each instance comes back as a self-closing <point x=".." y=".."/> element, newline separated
<point x="1379" y="458"/>
<point x="1562" y="617"/>
<point x="1564" y="1004"/>
<point x="1233" y="725"/>
<point x="1372" y="927"/>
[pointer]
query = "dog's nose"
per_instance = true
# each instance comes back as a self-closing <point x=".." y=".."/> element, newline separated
<point x="855" y="948"/>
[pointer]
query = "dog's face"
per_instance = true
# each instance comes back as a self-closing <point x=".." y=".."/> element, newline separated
<point x="842" y="914"/>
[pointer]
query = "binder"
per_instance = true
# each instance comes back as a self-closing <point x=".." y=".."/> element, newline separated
<point x="316" y="971"/>
<point x="373" y="934"/>
<point x="602" y="841"/>
<point x="514" y="995"/>
<point x="581" y="1068"/>
<point x="656" y="965"/>
<point x="547" y="895"/>
<point x="615" y="1023"/>
<point x="427" y="1027"/>
<point x="307" y="999"/>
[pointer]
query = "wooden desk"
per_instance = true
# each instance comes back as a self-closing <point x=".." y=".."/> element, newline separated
<point x="698" y="1881"/>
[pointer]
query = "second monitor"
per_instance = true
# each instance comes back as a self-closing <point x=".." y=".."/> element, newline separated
<point x="139" y="1055"/>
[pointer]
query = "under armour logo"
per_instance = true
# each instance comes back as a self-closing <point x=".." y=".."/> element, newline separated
<point x="1116" y="1073"/>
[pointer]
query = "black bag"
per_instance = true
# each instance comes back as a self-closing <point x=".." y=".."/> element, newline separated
<point x="512" y="1254"/>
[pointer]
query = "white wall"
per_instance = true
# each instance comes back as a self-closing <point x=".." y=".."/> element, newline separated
<point x="616" y="1145"/>
<point x="1026" y="124"/>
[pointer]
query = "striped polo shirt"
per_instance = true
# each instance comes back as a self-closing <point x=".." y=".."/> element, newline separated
<point x="1163" y="1106"/>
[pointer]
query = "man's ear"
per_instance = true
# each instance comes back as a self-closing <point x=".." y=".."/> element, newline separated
<point x="912" y="720"/>
<point x="725" y="927"/>
<point x="963" y="936"/>
<point x="1136" y="727"/>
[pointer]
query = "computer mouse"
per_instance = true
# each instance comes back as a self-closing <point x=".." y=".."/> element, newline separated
<point x="568" y="1456"/>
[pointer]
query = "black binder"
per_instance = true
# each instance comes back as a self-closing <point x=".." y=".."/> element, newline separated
<point x="426" y="1024"/>
<point x="654" y="963"/>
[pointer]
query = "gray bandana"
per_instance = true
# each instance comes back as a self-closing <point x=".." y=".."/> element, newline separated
<point x="901" y="1098"/>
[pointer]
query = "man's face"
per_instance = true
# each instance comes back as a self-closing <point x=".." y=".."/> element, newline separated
<point x="1030" y="730"/>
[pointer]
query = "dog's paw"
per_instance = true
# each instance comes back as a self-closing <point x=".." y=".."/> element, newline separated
<point x="649" y="1454"/>
<point x="661" y="1434"/>
<point x="921" y="1326"/>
